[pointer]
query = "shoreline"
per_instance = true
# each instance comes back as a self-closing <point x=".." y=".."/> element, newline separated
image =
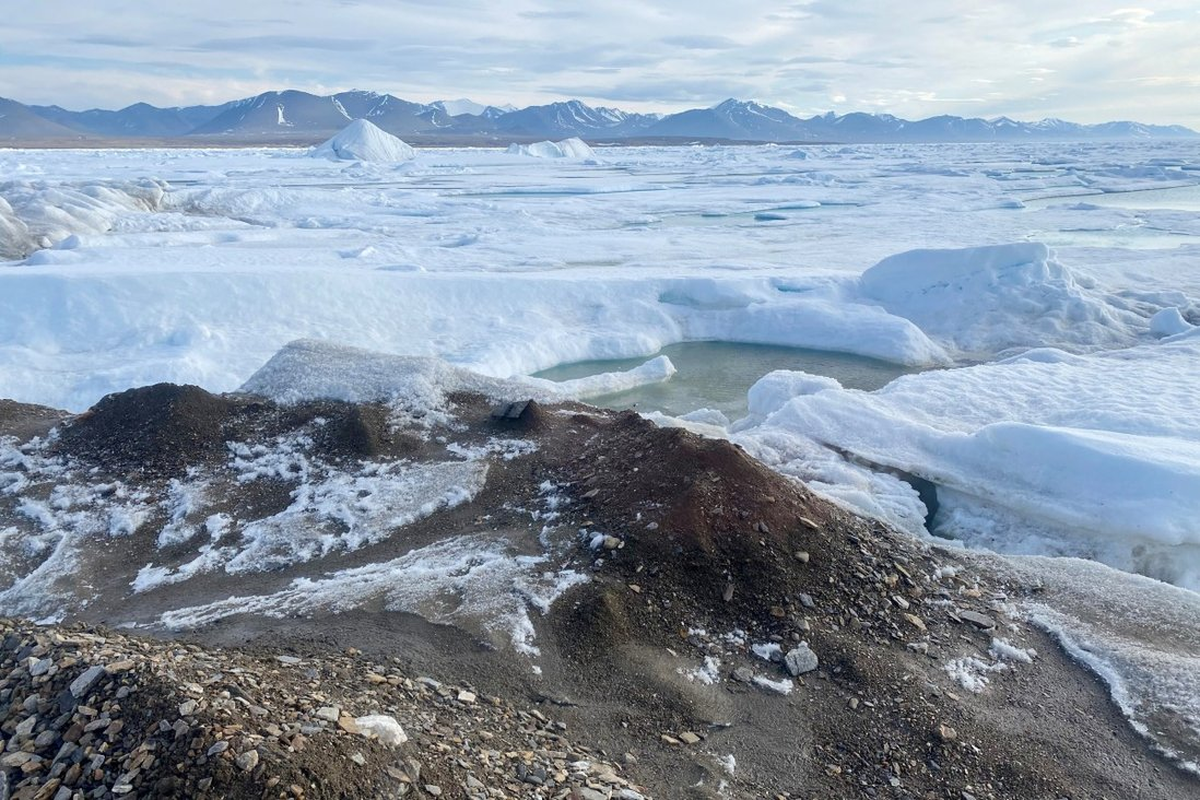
<point x="698" y="543"/>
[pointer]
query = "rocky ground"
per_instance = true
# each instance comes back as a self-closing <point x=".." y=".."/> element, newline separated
<point x="725" y="633"/>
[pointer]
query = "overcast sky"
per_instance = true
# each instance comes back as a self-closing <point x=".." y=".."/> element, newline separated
<point x="1083" y="60"/>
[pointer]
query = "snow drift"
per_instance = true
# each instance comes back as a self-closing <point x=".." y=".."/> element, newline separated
<point x="363" y="141"/>
<point x="983" y="300"/>
<point x="36" y="214"/>
<point x="1095" y="456"/>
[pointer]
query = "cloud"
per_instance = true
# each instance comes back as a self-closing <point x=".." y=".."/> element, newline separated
<point x="701" y="42"/>
<point x="1037" y="59"/>
<point x="552" y="15"/>
<point x="261" y="44"/>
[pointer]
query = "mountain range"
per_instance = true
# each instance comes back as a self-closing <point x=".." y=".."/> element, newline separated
<point x="299" y="117"/>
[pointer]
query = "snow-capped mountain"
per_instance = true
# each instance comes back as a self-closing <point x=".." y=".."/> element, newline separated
<point x="274" y="113"/>
<point x="572" y="118"/>
<point x="732" y="119"/>
<point x="299" y="115"/>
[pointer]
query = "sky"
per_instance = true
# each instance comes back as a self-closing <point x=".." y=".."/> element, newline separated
<point x="1081" y="60"/>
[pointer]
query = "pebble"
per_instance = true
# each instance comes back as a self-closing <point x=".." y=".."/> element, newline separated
<point x="247" y="760"/>
<point x="328" y="713"/>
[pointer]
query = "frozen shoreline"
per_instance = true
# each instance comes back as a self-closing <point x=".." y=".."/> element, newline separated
<point x="1065" y="425"/>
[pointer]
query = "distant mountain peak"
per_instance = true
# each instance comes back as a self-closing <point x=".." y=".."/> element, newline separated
<point x="297" y="114"/>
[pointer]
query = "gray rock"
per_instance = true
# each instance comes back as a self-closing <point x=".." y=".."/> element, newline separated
<point x="800" y="659"/>
<point x="977" y="619"/>
<point x="83" y="684"/>
<point x="25" y="729"/>
<point x="247" y="760"/>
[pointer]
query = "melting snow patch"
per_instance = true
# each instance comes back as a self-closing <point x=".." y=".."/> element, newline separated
<point x="1004" y="650"/>
<point x="708" y="673"/>
<point x="471" y="580"/>
<point x="782" y="686"/>
<point x="767" y="651"/>
<point x="972" y="672"/>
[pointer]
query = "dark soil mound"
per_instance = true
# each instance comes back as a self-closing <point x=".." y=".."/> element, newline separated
<point x="160" y="429"/>
<point x="701" y="511"/>
<point x="25" y="421"/>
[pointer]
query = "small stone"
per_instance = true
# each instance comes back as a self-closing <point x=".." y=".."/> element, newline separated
<point x="946" y="733"/>
<point x="727" y="595"/>
<point x="433" y="791"/>
<point x="187" y="708"/>
<point x="41" y="667"/>
<point x="901" y="602"/>
<point x="359" y="758"/>
<point x="17" y="759"/>
<point x="853" y="703"/>
<point x="808" y="523"/>
<point x="328" y="713"/>
<point x="217" y="748"/>
<point x="800" y="659"/>
<point x="978" y="620"/>
<point x="801" y="556"/>
<point x="915" y="621"/>
<point x="120" y="666"/>
<point x="247" y="760"/>
<point x="466" y="697"/>
<point x="806" y="601"/>
<point x="612" y="543"/>
<point x="25" y="729"/>
<point x="347" y="724"/>
<point x="687" y="737"/>
<point x="668" y="739"/>
<point x="743" y="675"/>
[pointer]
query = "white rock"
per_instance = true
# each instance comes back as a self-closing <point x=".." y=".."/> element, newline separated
<point x="382" y="727"/>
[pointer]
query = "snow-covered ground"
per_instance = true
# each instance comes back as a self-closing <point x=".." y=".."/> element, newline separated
<point x="1055" y="289"/>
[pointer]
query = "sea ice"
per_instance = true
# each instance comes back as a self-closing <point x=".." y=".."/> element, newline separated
<point x="567" y="148"/>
